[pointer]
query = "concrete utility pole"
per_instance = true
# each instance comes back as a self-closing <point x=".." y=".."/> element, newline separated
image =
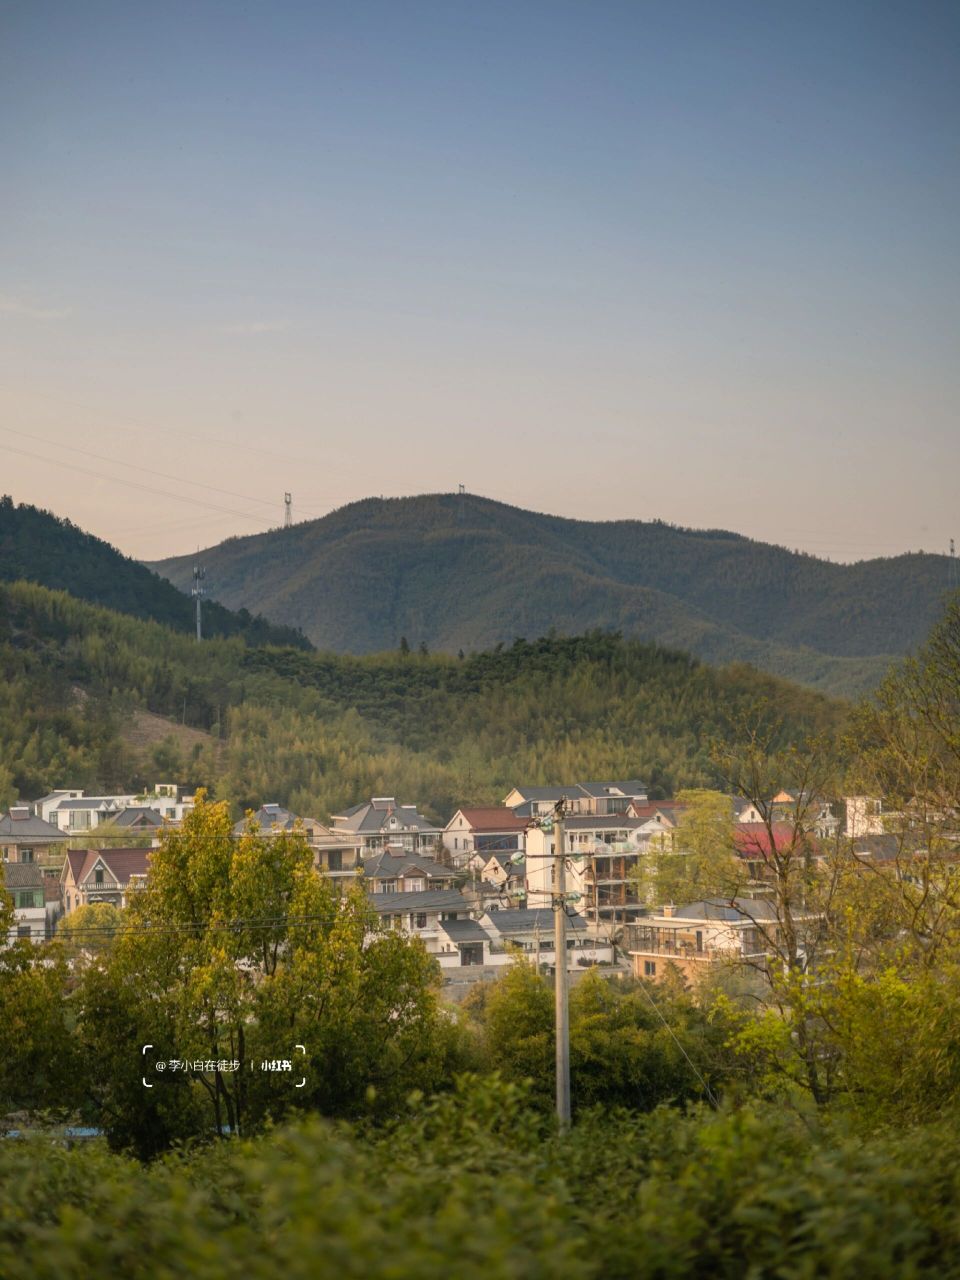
<point x="560" y="973"/>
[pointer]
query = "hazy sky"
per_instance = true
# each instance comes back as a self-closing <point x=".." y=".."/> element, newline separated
<point x="695" y="261"/>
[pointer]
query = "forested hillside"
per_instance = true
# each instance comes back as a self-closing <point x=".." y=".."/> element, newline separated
<point x="37" y="546"/>
<point x="468" y="573"/>
<point x="318" y="731"/>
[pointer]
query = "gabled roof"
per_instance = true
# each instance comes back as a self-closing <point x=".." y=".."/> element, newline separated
<point x="490" y="818"/>
<point x="138" y="816"/>
<point x="122" y="864"/>
<point x="375" y="815"/>
<point x="389" y="866"/>
<point x="29" y="828"/>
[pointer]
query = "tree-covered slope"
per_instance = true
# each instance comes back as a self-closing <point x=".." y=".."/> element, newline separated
<point x="37" y="546"/>
<point x="470" y="573"/>
<point x="318" y="730"/>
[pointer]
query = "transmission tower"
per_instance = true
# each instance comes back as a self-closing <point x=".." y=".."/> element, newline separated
<point x="198" y="591"/>
<point x="287" y="510"/>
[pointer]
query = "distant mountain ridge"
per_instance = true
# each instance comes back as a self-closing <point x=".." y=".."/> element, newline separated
<point x="463" y="572"/>
<point x="37" y="546"/>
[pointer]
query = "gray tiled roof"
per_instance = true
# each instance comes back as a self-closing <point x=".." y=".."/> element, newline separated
<point x="30" y="828"/>
<point x="464" y="931"/>
<point x="526" y="919"/>
<point x="727" y="909"/>
<point x="381" y="866"/>
<point x="427" y="900"/>
<point x="22" y="875"/>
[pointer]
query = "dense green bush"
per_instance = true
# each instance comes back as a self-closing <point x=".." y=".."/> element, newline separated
<point x="476" y="1186"/>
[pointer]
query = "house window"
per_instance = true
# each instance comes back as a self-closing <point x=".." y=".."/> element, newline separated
<point x="26" y="855"/>
<point x="23" y="931"/>
<point x="98" y="876"/>
<point x="421" y="920"/>
<point x="456" y="843"/>
<point x="649" y="968"/>
<point x="699" y="939"/>
<point x="334" y="860"/>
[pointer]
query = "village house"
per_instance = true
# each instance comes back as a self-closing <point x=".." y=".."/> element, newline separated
<point x="693" y="938"/>
<point x="422" y="913"/>
<point x="24" y="882"/>
<point x="26" y="838"/>
<point x="335" y="853"/>
<point x="478" y="829"/>
<point x="390" y="872"/>
<point x="75" y="813"/>
<point x="597" y="798"/>
<point x="603" y="853"/>
<point x="102" y="875"/>
<point x="382" y="823"/>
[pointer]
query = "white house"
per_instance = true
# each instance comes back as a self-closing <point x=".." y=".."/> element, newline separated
<point x="487" y="830"/>
<point x="602" y="855"/>
<point x="382" y="823"/>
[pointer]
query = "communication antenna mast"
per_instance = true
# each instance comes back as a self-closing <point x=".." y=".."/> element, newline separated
<point x="198" y="592"/>
<point x="287" y="510"/>
<point x="460" y="492"/>
<point x="954" y="576"/>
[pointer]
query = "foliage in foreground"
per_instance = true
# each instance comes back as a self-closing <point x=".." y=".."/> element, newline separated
<point x="477" y="1185"/>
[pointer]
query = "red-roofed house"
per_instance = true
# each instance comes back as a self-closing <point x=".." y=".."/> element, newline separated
<point x="489" y="830"/>
<point x="102" y="875"/>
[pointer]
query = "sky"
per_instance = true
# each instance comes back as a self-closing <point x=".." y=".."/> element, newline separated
<point x="690" y="261"/>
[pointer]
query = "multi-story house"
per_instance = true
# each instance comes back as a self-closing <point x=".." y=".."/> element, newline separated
<point x="24" y="882"/>
<point x="335" y="853"/>
<point x="26" y="838"/>
<point x="422" y="914"/>
<point x="602" y="855"/>
<point x="694" y="938"/>
<point x="382" y="823"/>
<point x="486" y="829"/>
<point x="102" y="875"/>
<point x="601" y="799"/>
<point x="75" y="813"/>
<point x="389" y="872"/>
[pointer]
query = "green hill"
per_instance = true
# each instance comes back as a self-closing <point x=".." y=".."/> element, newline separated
<point x="468" y="573"/>
<point x="37" y="546"/>
<point x="318" y="730"/>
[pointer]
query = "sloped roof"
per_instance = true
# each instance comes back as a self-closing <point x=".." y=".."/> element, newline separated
<point x="464" y="931"/>
<point x="734" y="909"/>
<point x="121" y="863"/>
<point x="491" y="818"/>
<point x="512" y="921"/>
<point x="752" y="839"/>
<point x="375" y="815"/>
<point x="138" y="816"/>
<point x="29" y="828"/>
<point x="386" y="865"/>
<point x="427" y="900"/>
<point x="22" y="875"/>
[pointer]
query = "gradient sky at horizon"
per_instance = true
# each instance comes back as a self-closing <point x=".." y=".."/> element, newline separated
<point x="679" y="260"/>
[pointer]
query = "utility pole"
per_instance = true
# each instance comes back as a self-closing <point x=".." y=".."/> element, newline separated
<point x="953" y="577"/>
<point x="560" y="974"/>
<point x="536" y="937"/>
<point x="198" y="591"/>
